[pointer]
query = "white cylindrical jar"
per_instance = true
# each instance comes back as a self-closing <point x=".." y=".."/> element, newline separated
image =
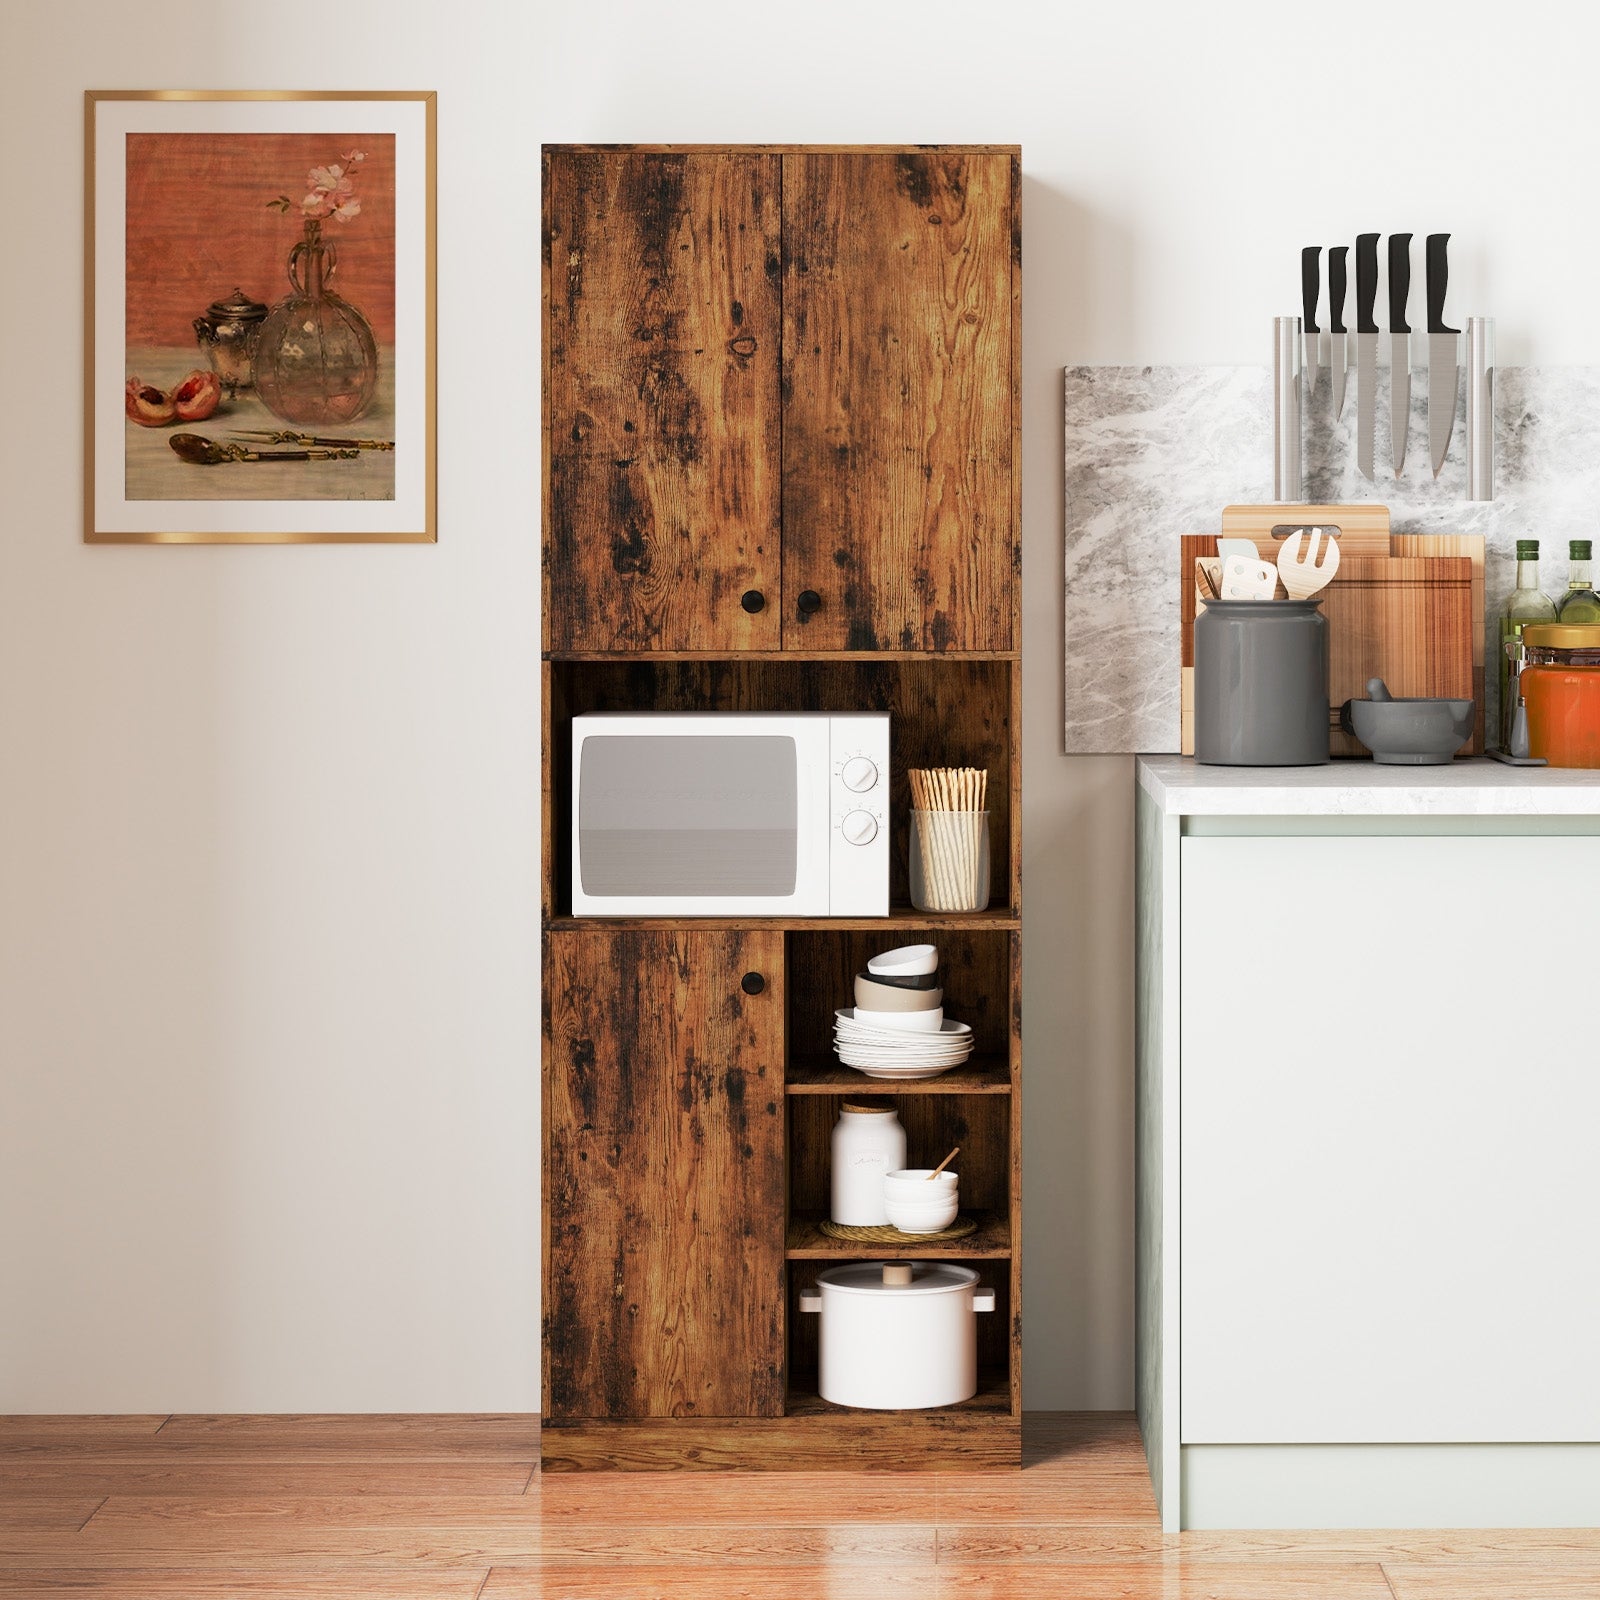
<point x="868" y="1144"/>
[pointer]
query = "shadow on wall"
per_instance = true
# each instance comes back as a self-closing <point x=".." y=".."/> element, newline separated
<point x="1079" y="292"/>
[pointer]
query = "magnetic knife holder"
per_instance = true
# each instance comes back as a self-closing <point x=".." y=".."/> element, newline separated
<point x="1475" y="356"/>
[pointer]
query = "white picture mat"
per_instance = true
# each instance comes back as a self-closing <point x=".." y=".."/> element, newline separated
<point x="407" y="120"/>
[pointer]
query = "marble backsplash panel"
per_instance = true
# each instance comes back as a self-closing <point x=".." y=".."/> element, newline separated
<point x="1153" y="453"/>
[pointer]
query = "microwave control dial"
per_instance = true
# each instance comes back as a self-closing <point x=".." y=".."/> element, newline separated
<point x="859" y="827"/>
<point x="859" y="774"/>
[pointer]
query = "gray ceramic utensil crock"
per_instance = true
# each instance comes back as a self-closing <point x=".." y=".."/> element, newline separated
<point x="1261" y="683"/>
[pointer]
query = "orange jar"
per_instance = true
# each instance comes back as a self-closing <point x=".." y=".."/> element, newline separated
<point x="1561" y="683"/>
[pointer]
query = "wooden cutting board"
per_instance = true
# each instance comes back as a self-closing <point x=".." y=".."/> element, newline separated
<point x="1470" y="545"/>
<point x="1363" y="529"/>
<point x="1415" y="621"/>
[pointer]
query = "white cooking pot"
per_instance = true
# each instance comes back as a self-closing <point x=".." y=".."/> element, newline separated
<point x="898" y="1335"/>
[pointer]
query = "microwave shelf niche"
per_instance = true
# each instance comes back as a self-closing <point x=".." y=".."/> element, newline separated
<point x="950" y="711"/>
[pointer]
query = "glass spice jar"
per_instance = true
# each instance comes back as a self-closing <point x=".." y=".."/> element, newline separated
<point x="1560" y="684"/>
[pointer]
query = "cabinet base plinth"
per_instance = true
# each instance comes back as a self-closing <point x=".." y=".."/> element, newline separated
<point x="853" y="1441"/>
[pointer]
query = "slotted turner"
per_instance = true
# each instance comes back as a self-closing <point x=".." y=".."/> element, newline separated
<point x="1244" y="579"/>
<point x="1299" y="566"/>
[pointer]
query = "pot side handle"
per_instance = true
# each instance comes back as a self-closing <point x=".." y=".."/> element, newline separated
<point x="982" y="1300"/>
<point x="811" y="1300"/>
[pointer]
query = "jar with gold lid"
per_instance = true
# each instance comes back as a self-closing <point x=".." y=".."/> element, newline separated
<point x="1560" y="684"/>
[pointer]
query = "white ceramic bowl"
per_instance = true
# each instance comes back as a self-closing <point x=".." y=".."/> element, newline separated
<point x="921" y="1218"/>
<point x="914" y="1187"/>
<point x="872" y="996"/>
<point x="909" y="961"/>
<point x="903" y="1021"/>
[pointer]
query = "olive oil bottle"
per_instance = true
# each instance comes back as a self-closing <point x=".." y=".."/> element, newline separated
<point x="1527" y="603"/>
<point x="1581" y="603"/>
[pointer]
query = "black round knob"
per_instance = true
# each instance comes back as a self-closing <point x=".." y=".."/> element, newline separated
<point x="752" y="983"/>
<point x="808" y="601"/>
<point x="753" y="600"/>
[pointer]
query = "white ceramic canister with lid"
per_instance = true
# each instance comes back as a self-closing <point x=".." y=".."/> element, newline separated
<point x="868" y="1144"/>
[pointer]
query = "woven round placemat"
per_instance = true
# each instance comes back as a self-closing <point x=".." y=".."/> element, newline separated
<point x="885" y="1234"/>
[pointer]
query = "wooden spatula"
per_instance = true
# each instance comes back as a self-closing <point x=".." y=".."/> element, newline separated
<point x="1302" y="572"/>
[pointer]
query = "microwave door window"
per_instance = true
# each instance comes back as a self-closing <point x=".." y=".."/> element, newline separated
<point x="688" y="815"/>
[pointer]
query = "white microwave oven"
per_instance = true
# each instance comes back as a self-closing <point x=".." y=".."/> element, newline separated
<point x="727" y="813"/>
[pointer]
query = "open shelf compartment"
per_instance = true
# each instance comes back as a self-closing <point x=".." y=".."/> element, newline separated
<point x="943" y="711"/>
<point x="997" y="1393"/>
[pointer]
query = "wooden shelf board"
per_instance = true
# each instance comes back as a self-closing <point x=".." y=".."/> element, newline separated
<point x="807" y="1242"/>
<point x="980" y="1075"/>
<point x="998" y="920"/>
<point x="993" y="1396"/>
<point x="799" y="657"/>
<point x="983" y="1433"/>
<point x="794" y="149"/>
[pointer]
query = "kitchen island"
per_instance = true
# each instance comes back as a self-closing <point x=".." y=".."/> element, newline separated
<point x="1368" y="1109"/>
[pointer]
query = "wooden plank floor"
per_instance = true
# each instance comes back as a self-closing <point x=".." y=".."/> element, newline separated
<point x="345" y="1508"/>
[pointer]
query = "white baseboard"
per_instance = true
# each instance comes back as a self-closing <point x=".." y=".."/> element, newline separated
<point x="1391" y="1486"/>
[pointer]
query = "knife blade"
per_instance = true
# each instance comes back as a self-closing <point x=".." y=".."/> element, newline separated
<point x="1366" y="337"/>
<point x="1399" y="347"/>
<point x="1338" y="357"/>
<point x="1443" y="371"/>
<point x="1310" y="288"/>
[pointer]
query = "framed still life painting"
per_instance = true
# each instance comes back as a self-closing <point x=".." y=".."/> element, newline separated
<point x="259" y="336"/>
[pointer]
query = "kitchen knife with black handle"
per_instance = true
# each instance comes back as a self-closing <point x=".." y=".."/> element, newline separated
<point x="1337" y="354"/>
<point x="1366" y="337"/>
<point x="1443" y="370"/>
<point x="1310" y="288"/>
<point x="1399" y="347"/>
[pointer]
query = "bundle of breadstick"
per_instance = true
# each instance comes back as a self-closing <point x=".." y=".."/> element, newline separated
<point x="949" y="831"/>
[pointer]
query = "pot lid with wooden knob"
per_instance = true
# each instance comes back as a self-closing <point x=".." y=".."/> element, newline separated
<point x="880" y="1277"/>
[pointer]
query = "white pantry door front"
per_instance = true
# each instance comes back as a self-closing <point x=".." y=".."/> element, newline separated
<point x="1390" y="1139"/>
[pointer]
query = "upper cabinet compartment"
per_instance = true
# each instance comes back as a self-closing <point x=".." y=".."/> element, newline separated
<point x="662" y="422"/>
<point x="780" y="402"/>
<point x="899" y="503"/>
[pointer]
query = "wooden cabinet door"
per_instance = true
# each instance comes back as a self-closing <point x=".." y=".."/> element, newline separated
<point x="661" y="400"/>
<point x="664" y="1175"/>
<point x="899" y="508"/>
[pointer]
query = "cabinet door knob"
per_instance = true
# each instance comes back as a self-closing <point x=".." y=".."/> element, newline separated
<point x="753" y="600"/>
<point x="808" y="601"/>
<point x="752" y="983"/>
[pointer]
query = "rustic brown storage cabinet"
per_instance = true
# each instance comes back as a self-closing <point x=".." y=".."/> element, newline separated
<point x="781" y="473"/>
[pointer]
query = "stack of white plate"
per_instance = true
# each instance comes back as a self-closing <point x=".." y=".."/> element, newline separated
<point x="899" y="1052"/>
<point x="897" y="1028"/>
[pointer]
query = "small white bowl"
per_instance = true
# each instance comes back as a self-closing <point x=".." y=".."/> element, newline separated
<point x="912" y="1186"/>
<point x="902" y="1021"/>
<point x="909" y="961"/>
<point x="921" y="1218"/>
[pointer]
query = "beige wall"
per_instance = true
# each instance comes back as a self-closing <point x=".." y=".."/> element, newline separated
<point x="268" y="941"/>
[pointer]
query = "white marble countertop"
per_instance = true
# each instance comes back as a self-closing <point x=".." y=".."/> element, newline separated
<point x="1476" y="787"/>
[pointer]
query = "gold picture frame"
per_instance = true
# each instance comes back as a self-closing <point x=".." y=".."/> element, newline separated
<point x="318" y="424"/>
